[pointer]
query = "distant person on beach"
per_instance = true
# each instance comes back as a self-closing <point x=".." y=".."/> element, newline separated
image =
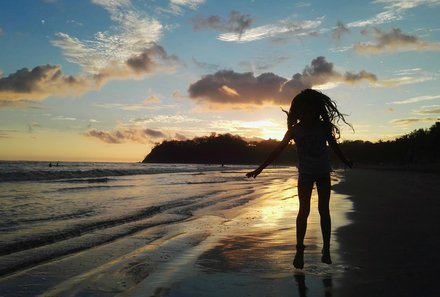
<point x="312" y="123"/>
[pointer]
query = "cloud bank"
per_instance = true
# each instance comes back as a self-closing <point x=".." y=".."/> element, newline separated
<point x="137" y="135"/>
<point x="48" y="80"/>
<point x="129" y="50"/>
<point x="229" y="87"/>
<point x="150" y="61"/>
<point x="41" y="82"/>
<point x="394" y="40"/>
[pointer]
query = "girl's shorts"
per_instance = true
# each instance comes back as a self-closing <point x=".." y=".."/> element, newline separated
<point x="313" y="177"/>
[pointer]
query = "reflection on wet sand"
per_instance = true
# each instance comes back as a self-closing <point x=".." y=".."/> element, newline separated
<point x="301" y="283"/>
<point x="238" y="240"/>
<point x="247" y="252"/>
<point x="256" y="258"/>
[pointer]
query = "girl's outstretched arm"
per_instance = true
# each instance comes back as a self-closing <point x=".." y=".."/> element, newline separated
<point x="272" y="156"/>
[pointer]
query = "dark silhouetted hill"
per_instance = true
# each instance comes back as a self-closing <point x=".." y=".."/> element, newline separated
<point x="218" y="149"/>
<point x="420" y="147"/>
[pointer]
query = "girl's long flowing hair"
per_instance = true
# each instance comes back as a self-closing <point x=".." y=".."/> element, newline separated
<point x="325" y="107"/>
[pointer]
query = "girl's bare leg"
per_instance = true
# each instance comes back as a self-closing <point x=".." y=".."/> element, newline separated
<point x="304" y="194"/>
<point x="324" y="187"/>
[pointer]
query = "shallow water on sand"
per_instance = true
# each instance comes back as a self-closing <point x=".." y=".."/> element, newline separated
<point x="201" y="232"/>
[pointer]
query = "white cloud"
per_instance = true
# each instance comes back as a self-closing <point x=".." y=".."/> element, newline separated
<point x="134" y="33"/>
<point x="176" y="6"/>
<point x="424" y="110"/>
<point x="149" y="103"/>
<point x="406" y="4"/>
<point x="403" y="80"/>
<point x="303" y="4"/>
<point x="409" y="71"/>
<point x="189" y="3"/>
<point x="393" y="11"/>
<point x="235" y="125"/>
<point x="63" y="118"/>
<point x="272" y="30"/>
<point x="416" y="99"/>
<point x="341" y="49"/>
<point x="410" y="121"/>
<point x="134" y="106"/>
<point x="166" y="119"/>
<point x="380" y="18"/>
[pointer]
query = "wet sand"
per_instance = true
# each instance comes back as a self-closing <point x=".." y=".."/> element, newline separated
<point x="237" y="242"/>
<point x="392" y="246"/>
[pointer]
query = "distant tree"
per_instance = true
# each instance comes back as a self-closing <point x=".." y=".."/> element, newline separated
<point x="419" y="147"/>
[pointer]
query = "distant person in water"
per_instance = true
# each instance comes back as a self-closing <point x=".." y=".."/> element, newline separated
<point x="312" y="123"/>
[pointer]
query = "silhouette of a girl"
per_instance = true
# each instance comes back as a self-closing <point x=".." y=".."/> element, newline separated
<point x="312" y="123"/>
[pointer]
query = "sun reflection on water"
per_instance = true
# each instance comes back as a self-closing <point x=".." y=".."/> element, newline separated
<point x="281" y="206"/>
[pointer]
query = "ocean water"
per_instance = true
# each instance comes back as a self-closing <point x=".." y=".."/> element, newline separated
<point x="103" y="229"/>
<point x="44" y="209"/>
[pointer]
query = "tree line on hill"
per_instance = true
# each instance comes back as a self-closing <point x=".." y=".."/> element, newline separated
<point x="420" y="147"/>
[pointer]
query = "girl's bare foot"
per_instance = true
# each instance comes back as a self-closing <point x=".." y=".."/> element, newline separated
<point x="326" y="256"/>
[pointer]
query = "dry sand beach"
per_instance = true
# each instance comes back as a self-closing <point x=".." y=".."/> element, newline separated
<point x="237" y="238"/>
<point x="392" y="246"/>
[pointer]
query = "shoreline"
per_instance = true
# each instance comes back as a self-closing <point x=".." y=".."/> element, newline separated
<point x="238" y="240"/>
<point x="391" y="246"/>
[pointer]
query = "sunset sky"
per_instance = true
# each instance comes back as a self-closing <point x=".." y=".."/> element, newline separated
<point x="104" y="80"/>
